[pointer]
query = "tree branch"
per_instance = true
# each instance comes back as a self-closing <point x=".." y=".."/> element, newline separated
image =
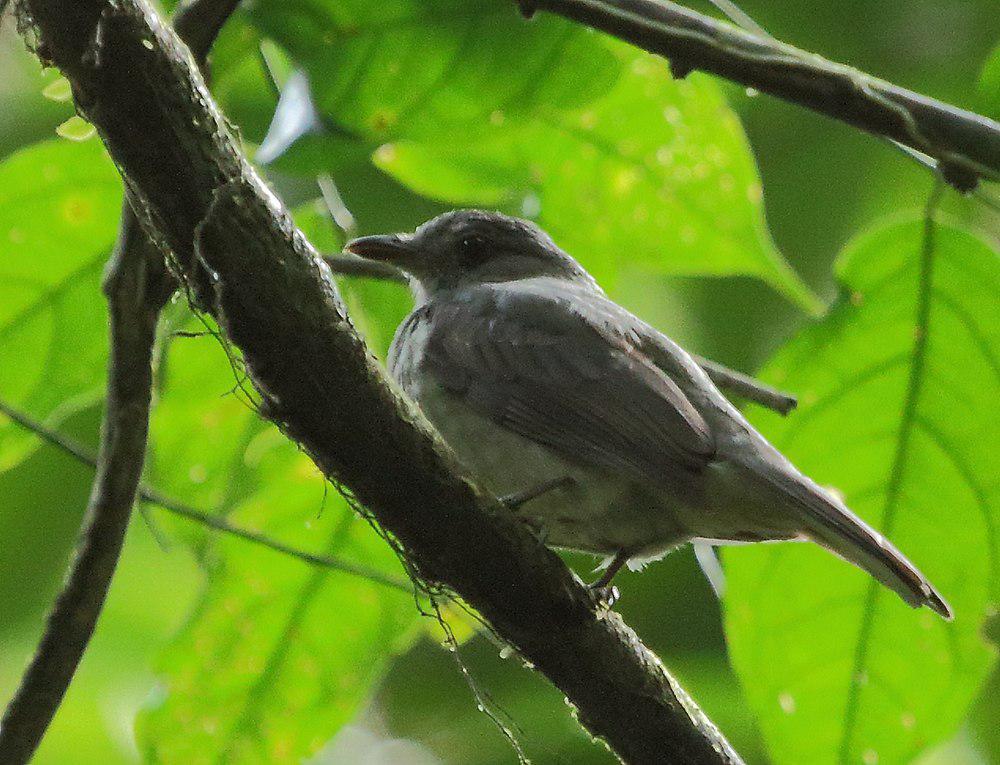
<point x="137" y="286"/>
<point x="183" y="510"/>
<point x="745" y="386"/>
<point x="965" y="145"/>
<point x="241" y="256"/>
<point x="134" y="288"/>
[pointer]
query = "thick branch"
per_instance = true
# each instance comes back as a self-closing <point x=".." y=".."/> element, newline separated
<point x="135" y="296"/>
<point x="966" y="145"/>
<point x="276" y="300"/>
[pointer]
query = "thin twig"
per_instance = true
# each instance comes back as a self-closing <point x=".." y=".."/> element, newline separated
<point x="965" y="145"/>
<point x="747" y="387"/>
<point x="137" y="286"/>
<point x="184" y="510"/>
<point x="134" y="286"/>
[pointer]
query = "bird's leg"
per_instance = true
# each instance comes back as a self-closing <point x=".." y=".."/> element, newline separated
<point x="620" y="559"/>
<point x="518" y="499"/>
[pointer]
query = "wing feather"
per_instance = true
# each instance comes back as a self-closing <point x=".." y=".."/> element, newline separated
<point x="536" y="365"/>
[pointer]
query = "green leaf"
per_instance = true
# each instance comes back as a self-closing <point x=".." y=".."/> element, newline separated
<point x="656" y="173"/>
<point x="472" y="105"/>
<point x="59" y="206"/>
<point x="989" y="86"/>
<point x="410" y="68"/>
<point x="279" y="654"/>
<point x="837" y="668"/>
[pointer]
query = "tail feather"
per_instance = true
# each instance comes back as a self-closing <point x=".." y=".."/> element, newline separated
<point x="831" y="524"/>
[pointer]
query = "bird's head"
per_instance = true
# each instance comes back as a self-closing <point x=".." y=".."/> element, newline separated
<point x="469" y="247"/>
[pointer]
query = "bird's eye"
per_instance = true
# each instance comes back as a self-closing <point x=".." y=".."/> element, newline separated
<point x="473" y="249"/>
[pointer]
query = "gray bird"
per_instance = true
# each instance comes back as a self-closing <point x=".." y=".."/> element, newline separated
<point x="617" y="438"/>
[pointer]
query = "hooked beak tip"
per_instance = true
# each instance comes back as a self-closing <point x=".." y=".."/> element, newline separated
<point x="386" y="248"/>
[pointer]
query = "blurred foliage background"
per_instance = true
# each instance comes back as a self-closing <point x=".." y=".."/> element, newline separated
<point x="714" y="213"/>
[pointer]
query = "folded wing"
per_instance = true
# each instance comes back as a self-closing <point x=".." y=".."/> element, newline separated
<point x="539" y="366"/>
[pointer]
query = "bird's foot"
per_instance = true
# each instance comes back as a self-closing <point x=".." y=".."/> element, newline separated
<point x="517" y="500"/>
<point x="606" y="593"/>
<point x="605" y="597"/>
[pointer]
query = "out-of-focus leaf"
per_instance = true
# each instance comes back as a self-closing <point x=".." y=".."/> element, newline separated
<point x="279" y="654"/>
<point x="656" y="173"/>
<point x="76" y="128"/>
<point x="203" y="392"/>
<point x="838" y="668"/>
<point x="471" y="105"/>
<point x="434" y="70"/>
<point x="989" y="86"/>
<point x="59" y="205"/>
<point x="239" y="79"/>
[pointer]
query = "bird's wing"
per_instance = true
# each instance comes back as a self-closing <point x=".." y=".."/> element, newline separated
<point x="539" y="365"/>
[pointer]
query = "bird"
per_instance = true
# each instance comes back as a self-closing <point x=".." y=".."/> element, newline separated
<point x="614" y="440"/>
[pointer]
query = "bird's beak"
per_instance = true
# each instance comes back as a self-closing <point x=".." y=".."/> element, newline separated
<point x="387" y="248"/>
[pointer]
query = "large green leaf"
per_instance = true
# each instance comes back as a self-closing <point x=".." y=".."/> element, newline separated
<point x="279" y="654"/>
<point x="989" y="85"/>
<point x="899" y="388"/>
<point x="59" y="204"/>
<point x="469" y="104"/>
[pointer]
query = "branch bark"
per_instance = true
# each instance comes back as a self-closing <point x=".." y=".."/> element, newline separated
<point x="137" y="286"/>
<point x="134" y="288"/>
<point x="240" y="255"/>
<point x="966" y="145"/>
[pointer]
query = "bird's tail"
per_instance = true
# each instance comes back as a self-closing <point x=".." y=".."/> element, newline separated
<point x="831" y="524"/>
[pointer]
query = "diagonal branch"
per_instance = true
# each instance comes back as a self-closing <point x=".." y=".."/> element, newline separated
<point x="239" y="253"/>
<point x="965" y="145"/>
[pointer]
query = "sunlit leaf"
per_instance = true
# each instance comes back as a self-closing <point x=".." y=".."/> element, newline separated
<point x="59" y="205"/>
<point x="989" y="85"/>
<point x="657" y="173"/>
<point x="838" y="668"/>
<point x="472" y="105"/>
<point x="280" y="653"/>
<point x="76" y="128"/>
<point x="59" y="90"/>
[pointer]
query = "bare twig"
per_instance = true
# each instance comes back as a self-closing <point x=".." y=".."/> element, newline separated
<point x="134" y="286"/>
<point x="230" y="238"/>
<point x="747" y="387"/>
<point x="965" y="145"/>
<point x="137" y="286"/>
<point x="184" y="510"/>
